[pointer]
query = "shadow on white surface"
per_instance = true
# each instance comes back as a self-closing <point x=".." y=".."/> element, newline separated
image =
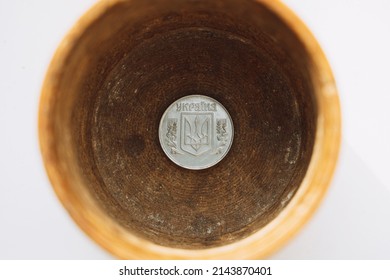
<point x="353" y="221"/>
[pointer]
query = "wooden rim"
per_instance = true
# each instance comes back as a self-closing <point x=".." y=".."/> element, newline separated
<point x="122" y="244"/>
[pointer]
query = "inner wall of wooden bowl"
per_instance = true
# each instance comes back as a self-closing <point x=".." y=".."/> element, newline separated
<point x="138" y="58"/>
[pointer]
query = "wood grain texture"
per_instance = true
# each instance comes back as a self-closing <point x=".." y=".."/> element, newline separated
<point x="119" y="69"/>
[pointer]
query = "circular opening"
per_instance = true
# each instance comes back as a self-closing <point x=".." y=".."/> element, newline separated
<point x="112" y="87"/>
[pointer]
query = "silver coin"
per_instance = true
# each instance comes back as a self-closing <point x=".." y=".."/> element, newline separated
<point x="196" y="132"/>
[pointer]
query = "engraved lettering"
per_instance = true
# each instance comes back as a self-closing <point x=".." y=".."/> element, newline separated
<point x="196" y="107"/>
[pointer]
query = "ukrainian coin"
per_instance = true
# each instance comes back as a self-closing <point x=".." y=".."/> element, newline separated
<point x="196" y="132"/>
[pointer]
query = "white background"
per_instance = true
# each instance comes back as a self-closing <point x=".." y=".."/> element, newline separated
<point x="352" y="223"/>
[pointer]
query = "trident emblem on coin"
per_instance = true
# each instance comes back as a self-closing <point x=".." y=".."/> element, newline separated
<point x="196" y="133"/>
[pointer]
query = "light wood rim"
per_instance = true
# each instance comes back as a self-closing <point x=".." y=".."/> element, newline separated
<point x="122" y="244"/>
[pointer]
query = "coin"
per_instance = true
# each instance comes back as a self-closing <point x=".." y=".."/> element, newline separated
<point x="196" y="132"/>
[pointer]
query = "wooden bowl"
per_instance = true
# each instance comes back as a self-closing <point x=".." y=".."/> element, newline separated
<point x="120" y="68"/>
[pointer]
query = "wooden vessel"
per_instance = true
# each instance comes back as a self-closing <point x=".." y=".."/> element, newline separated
<point x="116" y="73"/>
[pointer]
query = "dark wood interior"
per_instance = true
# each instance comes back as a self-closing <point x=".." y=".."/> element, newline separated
<point x="138" y="58"/>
